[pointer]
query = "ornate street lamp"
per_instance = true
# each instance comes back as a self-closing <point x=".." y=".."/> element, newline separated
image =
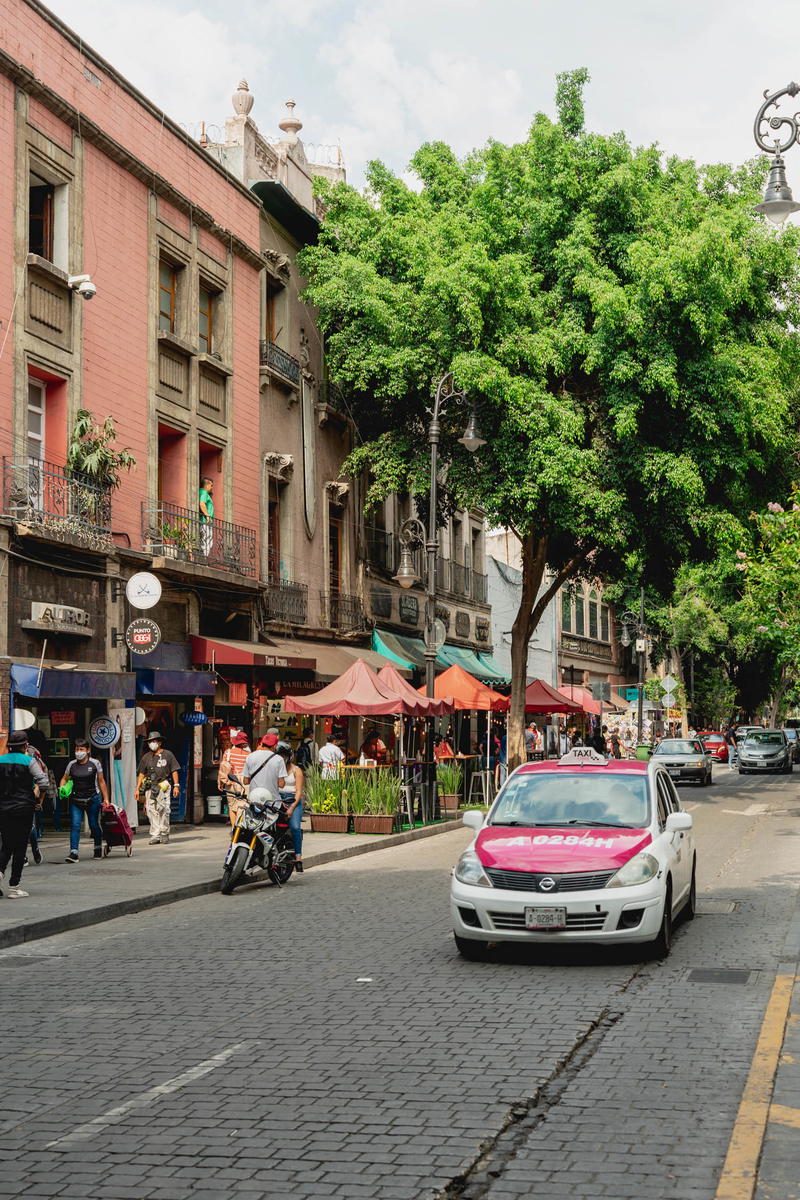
<point x="633" y="629"/>
<point x="413" y="534"/>
<point x="778" y="202"/>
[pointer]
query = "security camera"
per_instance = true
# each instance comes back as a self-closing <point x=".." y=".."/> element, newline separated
<point x="82" y="284"/>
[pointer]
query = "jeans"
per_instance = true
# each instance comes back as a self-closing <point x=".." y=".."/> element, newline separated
<point x="15" y="829"/>
<point x="76" y="812"/>
<point x="295" y="822"/>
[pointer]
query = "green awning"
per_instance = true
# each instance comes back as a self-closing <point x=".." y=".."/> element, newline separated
<point x="489" y="665"/>
<point x="402" y="651"/>
<point x="459" y="656"/>
<point x="409" y="652"/>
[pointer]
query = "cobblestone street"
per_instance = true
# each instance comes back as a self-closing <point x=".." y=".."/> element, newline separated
<point x="326" y="1039"/>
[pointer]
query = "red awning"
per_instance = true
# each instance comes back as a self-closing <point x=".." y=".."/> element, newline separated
<point x="423" y="706"/>
<point x="468" y="693"/>
<point x="541" y="698"/>
<point x="225" y="653"/>
<point x="357" y="693"/>
<point x="583" y="698"/>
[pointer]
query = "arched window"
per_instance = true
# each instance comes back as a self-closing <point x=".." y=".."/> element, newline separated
<point x="580" y="617"/>
<point x="566" y="611"/>
<point x="594" y="631"/>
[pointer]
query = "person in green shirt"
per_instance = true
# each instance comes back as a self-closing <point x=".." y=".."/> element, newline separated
<point x="206" y="515"/>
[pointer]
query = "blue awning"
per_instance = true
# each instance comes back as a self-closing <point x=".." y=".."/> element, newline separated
<point x="72" y="685"/>
<point x="174" y="683"/>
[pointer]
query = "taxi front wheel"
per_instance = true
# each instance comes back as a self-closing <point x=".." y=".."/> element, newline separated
<point x="661" y="943"/>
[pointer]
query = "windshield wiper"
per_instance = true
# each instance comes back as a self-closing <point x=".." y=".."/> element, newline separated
<point x="601" y="825"/>
<point x="523" y="824"/>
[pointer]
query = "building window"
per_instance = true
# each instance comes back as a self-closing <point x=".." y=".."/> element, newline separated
<point x="37" y="393"/>
<point x="41" y="212"/>
<point x="167" y="295"/>
<point x="594" y="630"/>
<point x="335" y="538"/>
<point x="205" y="334"/>
<point x="274" y="319"/>
<point x="604" y="624"/>
<point x="580" y="608"/>
<point x="566" y="612"/>
<point x="273" y="531"/>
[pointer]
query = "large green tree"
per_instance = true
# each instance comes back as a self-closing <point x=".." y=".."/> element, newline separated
<point x="622" y="321"/>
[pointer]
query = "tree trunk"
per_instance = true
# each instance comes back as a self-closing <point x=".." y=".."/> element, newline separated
<point x="777" y="699"/>
<point x="532" y="606"/>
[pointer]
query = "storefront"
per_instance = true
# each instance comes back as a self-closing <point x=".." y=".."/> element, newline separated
<point x="174" y="702"/>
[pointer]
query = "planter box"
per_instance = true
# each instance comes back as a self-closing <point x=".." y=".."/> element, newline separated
<point x="329" y="822"/>
<point x="373" y="824"/>
<point x="449" y="804"/>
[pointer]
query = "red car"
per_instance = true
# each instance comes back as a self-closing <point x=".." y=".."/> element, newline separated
<point x="716" y="745"/>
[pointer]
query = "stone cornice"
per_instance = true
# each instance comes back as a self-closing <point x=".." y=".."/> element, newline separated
<point x="88" y="129"/>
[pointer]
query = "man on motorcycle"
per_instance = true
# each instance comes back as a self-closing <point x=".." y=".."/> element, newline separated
<point x="265" y="769"/>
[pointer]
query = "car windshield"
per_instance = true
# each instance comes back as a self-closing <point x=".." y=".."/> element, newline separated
<point x="592" y="799"/>
<point x="791" y="734"/>
<point x="679" y="746"/>
<point x="711" y="737"/>
<point x="766" y="738"/>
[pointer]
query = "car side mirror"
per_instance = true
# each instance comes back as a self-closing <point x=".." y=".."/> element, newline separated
<point x="677" y="822"/>
<point x="473" y="819"/>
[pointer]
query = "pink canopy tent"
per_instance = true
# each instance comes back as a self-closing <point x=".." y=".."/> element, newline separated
<point x="424" y="706"/>
<point x="359" y="692"/>
<point x="541" y="698"/>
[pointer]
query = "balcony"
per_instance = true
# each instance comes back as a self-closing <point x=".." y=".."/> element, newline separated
<point x="341" y="611"/>
<point x="178" y="533"/>
<point x="480" y="588"/>
<point x="459" y="579"/>
<point x="285" y="365"/>
<point x="57" y="502"/>
<point x="286" y="601"/>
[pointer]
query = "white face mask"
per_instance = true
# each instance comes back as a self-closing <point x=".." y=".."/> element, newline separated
<point x="154" y="745"/>
<point x="81" y="753"/>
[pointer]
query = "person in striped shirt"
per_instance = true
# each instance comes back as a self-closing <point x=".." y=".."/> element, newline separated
<point x="232" y="763"/>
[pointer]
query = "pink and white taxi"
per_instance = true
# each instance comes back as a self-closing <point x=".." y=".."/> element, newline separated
<point x="580" y="849"/>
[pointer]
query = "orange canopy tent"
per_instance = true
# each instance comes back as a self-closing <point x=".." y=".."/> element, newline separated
<point x="468" y="693"/>
<point x="357" y="693"/>
<point x="424" y="706"/>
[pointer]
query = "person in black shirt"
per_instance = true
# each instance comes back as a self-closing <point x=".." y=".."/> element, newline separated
<point x="155" y="769"/>
<point x="88" y="786"/>
<point x="21" y="779"/>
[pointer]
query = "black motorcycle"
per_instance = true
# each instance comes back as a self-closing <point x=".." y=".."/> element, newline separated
<point x="261" y="841"/>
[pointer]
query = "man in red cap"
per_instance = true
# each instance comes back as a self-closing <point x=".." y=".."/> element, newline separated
<point x="265" y="770"/>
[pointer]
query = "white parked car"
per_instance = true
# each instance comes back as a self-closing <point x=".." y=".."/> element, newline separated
<point x="580" y="849"/>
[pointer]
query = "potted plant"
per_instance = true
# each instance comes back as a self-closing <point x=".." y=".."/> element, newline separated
<point x="324" y="798"/>
<point x="94" y="466"/>
<point x="377" y="797"/>
<point x="449" y="777"/>
<point x="178" y="539"/>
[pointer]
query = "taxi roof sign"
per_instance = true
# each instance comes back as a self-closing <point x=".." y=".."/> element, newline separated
<point x="583" y="756"/>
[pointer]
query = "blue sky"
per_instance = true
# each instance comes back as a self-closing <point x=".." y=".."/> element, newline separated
<point x="379" y="78"/>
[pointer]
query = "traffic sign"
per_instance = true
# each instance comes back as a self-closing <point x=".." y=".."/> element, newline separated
<point x="104" y="733"/>
<point x="143" y="590"/>
<point x="668" y="700"/>
<point x="668" y="683"/>
<point x="142" y="635"/>
<point x="601" y="691"/>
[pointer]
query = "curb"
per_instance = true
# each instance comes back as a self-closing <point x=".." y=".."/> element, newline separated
<point x="109" y="912"/>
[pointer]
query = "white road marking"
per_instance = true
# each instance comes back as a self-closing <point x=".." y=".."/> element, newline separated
<point x="115" y="1115"/>
<point x="752" y="810"/>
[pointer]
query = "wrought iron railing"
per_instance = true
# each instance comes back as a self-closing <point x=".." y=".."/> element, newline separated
<point x="459" y="579"/>
<point x="380" y="548"/>
<point x="443" y="574"/>
<point x="342" y="611"/>
<point x="285" y="600"/>
<point x="480" y="588"/>
<point x="176" y="532"/>
<point x="57" y="500"/>
<point x="280" y="360"/>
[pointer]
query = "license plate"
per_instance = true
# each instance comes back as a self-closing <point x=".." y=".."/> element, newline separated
<point x="546" y="918"/>
<point x="675" y="774"/>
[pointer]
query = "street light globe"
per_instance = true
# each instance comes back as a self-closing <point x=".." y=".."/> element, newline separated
<point x="406" y="575"/>
<point x="778" y="202"/>
<point x="472" y="437"/>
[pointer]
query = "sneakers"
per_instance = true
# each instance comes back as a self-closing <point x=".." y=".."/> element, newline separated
<point x="165" y="838"/>
<point x="72" y="857"/>
<point x="98" y="851"/>
<point x="154" y="841"/>
<point x="298" y="866"/>
<point x="16" y="893"/>
<point x="37" y="856"/>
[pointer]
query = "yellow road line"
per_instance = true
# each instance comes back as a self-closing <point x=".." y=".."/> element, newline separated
<point x="781" y="1114"/>
<point x="738" y="1177"/>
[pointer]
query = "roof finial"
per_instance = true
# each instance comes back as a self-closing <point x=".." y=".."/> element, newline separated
<point x="242" y="99"/>
<point x="291" y="125"/>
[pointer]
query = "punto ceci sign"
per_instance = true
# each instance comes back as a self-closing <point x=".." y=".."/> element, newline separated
<point x="142" y="635"/>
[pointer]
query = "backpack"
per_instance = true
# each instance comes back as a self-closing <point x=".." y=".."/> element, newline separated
<point x="303" y="756"/>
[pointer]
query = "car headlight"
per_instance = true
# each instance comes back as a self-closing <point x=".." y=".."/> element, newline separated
<point x="469" y="870"/>
<point x="637" y="870"/>
<point x="698" y="762"/>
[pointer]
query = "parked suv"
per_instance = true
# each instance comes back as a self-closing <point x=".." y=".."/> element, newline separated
<point x="765" y="750"/>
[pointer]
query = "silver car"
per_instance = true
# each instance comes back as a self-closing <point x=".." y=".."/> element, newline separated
<point x="685" y="758"/>
<point x="765" y="750"/>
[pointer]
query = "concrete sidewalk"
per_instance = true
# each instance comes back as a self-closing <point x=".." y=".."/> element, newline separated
<point x="65" y="897"/>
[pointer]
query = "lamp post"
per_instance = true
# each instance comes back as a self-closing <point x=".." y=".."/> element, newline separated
<point x="632" y="628"/>
<point x="412" y="533"/>
<point x="778" y="202"/>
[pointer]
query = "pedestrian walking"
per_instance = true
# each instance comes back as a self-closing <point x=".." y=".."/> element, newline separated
<point x="21" y="781"/>
<point x="733" y="748"/>
<point x="616" y="746"/>
<point x="85" y="785"/>
<point x="155" y="770"/>
<point x="329" y="758"/>
<point x="291" y="792"/>
<point x="599" y="741"/>
<point x="530" y="740"/>
<point x="306" y="753"/>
